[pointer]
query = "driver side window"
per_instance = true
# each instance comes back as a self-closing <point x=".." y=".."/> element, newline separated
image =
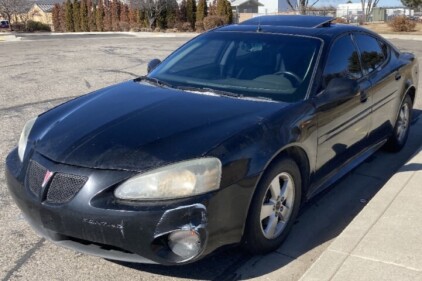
<point x="343" y="61"/>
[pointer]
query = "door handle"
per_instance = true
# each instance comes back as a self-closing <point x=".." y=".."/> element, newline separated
<point x="363" y="96"/>
<point x="398" y="76"/>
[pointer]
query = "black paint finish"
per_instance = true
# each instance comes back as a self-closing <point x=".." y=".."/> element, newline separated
<point x="115" y="133"/>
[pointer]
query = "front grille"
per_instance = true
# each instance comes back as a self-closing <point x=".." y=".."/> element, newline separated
<point x="34" y="177"/>
<point x="64" y="187"/>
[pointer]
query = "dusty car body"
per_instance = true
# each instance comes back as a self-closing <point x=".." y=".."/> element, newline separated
<point x="265" y="153"/>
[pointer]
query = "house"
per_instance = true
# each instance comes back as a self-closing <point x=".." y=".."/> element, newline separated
<point x="275" y="6"/>
<point x="245" y="6"/>
<point x="41" y="11"/>
<point x="244" y="9"/>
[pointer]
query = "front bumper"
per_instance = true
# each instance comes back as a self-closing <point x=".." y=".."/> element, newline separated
<point x="97" y="223"/>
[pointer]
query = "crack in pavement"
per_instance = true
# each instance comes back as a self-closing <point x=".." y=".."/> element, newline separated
<point x="15" y="107"/>
<point x="23" y="259"/>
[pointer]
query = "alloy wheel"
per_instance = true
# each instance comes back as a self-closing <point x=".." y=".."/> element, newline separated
<point x="277" y="205"/>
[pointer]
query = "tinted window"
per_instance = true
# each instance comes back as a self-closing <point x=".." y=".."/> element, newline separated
<point x="343" y="61"/>
<point x="200" y="58"/>
<point x="260" y="65"/>
<point x="371" y="53"/>
<point x="384" y="48"/>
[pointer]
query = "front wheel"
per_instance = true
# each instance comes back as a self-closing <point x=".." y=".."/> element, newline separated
<point x="274" y="207"/>
<point x="401" y="129"/>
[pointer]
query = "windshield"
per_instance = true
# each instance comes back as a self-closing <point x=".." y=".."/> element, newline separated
<point x="253" y="65"/>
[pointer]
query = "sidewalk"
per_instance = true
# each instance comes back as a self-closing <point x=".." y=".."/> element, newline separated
<point x="384" y="242"/>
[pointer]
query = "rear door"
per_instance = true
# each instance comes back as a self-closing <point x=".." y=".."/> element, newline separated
<point x="375" y="57"/>
<point x="343" y="122"/>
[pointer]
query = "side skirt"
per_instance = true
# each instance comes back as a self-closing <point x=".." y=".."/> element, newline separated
<point x="337" y="174"/>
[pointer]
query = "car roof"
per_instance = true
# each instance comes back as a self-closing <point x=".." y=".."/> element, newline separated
<point x="315" y="26"/>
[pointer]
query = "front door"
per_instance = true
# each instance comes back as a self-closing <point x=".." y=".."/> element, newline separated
<point x="343" y="121"/>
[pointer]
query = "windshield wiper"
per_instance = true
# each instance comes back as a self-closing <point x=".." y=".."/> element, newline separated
<point x="154" y="81"/>
<point x="209" y="90"/>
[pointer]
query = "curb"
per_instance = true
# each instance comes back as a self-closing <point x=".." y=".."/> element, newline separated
<point x="417" y="37"/>
<point x="9" y="38"/>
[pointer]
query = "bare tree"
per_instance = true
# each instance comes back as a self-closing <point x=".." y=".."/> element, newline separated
<point x="10" y="8"/>
<point x="152" y="8"/>
<point x="301" y="5"/>
<point x="367" y="7"/>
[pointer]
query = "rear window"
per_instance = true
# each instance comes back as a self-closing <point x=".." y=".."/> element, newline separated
<point x="372" y="55"/>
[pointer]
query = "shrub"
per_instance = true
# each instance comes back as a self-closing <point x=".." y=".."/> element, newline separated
<point x="145" y="29"/>
<point x="199" y="26"/>
<point x="18" y="26"/>
<point x="213" y="21"/>
<point x="169" y="30"/>
<point x="32" y="26"/>
<point x="402" y="23"/>
<point x="124" y="26"/>
<point x="339" y="20"/>
<point x="184" y="27"/>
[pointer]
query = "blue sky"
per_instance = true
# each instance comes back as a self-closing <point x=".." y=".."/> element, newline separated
<point x="381" y="3"/>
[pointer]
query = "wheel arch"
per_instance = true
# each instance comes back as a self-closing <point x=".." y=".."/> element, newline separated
<point x="299" y="155"/>
<point x="411" y="91"/>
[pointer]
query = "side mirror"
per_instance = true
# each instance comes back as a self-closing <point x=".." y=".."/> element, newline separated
<point x="340" y="88"/>
<point x="337" y="91"/>
<point x="153" y="64"/>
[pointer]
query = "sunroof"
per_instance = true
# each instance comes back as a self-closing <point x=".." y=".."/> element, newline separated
<point x="289" y="20"/>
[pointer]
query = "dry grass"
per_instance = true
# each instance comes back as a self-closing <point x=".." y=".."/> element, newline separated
<point x="384" y="28"/>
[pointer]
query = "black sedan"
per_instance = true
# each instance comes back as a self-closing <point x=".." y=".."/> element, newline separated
<point x="219" y="144"/>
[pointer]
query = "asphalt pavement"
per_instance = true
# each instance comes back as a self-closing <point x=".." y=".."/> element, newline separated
<point x="37" y="74"/>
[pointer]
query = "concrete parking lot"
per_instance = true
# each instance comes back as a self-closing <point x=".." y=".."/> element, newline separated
<point x="39" y="74"/>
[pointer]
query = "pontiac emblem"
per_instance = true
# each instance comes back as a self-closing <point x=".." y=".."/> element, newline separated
<point x="47" y="178"/>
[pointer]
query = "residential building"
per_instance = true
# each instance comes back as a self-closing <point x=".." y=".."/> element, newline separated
<point x="274" y="6"/>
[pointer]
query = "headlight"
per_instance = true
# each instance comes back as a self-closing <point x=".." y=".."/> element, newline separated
<point x="23" y="140"/>
<point x="174" y="181"/>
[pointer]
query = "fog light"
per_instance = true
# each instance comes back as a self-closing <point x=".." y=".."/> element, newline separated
<point x="185" y="243"/>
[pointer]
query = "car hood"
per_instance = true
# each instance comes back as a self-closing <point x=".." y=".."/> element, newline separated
<point x="135" y="126"/>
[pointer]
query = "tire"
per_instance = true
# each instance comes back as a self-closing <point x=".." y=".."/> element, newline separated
<point x="401" y="129"/>
<point x="279" y="205"/>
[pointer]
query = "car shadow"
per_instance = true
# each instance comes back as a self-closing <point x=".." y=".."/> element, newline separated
<point x="321" y="220"/>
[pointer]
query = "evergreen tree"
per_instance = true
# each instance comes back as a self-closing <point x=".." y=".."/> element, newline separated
<point x="202" y="10"/>
<point x="224" y="10"/>
<point x="115" y="13"/>
<point x="107" y="19"/>
<point x="172" y="13"/>
<point x="133" y="16"/>
<point x="55" y="14"/>
<point x="191" y="12"/>
<point x="63" y="17"/>
<point x="212" y="11"/>
<point x="142" y="18"/>
<point x="84" y="16"/>
<point x="229" y="12"/>
<point x="99" y="19"/>
<point x="77" y="15"/>
<point x="413" y="4"/>
<point x="92" y="15"/>
<point x="161" y="19"/>
<point x="183" y="12"/>
<point x="69" y="17"/>
<point x="221" y="8"/>
<point x="124" y="13"/>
